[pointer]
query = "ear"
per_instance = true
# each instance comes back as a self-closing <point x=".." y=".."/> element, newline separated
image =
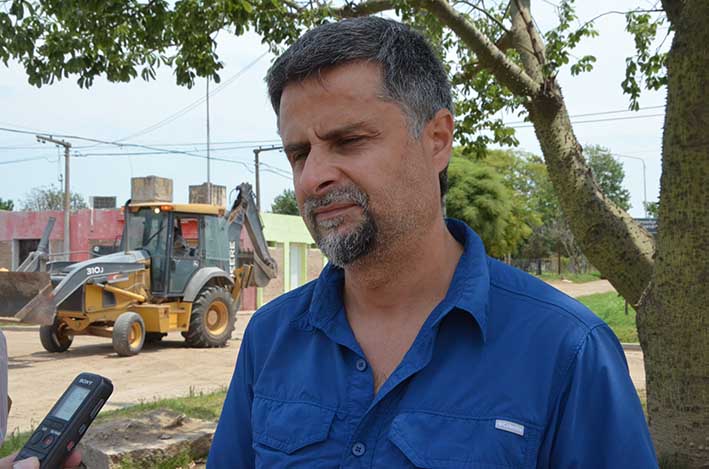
<point x="438" y="138"/>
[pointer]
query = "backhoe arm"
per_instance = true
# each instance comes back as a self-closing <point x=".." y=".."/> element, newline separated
<point x="244" y="212"/>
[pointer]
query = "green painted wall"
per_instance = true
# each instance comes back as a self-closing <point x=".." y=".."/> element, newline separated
<point x="286" y="230"/>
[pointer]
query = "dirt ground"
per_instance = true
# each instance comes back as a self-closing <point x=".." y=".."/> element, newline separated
<point x="37" y="378"/>
<point x="582" y="289"/>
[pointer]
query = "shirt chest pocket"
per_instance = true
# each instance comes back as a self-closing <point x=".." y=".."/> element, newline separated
<point x="290" y="434"/>
<point x="437" y="442"/>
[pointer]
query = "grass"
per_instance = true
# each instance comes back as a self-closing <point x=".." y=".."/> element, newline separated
<point x="205" y="406"/>
<point x="611" y="308"/>
<point x="575" y="278"/>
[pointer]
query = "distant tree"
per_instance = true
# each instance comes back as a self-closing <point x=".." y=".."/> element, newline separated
<point x="51" y="197"/>
<point x="652" y="209"/>
<point x="285" y="203"/>
<point x="479" y="196"/>
<point x="609" y="174"/>
<point x="8" y="205"/>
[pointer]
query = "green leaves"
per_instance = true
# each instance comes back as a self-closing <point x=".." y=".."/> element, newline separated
<point x="647" y="65"/>
<point x="608" y="173"/>
<point x="285" y="203"/>
<point x="560" y="41"/>
<point x="496" y="196"/>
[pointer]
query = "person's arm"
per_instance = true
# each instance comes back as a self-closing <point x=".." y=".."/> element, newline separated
<point x="231" y="446"/>
<point x="598" y="421"/>
<point x="4" y="398"/>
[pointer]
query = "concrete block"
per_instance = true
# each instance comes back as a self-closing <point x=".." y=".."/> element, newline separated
<point x="151" y="189"/>
<point x="145" y="440"/>
<point x="199" y="194"/>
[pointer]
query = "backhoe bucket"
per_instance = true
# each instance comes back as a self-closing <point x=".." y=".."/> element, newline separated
<point x="27" y="297"/>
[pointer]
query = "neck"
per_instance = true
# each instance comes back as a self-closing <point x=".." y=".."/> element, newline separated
<point x="405" y="275"/>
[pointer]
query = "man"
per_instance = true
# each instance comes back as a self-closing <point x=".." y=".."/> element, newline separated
<point x="412" y="348"/>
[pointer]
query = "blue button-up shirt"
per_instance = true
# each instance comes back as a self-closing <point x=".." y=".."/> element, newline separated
<point x="505" y="372"/>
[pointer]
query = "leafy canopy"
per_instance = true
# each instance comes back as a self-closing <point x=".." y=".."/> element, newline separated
<point x="285" y="203"/>
<point x="50" y="198"/>
<point x="124" y="39"/>
<point x="609" y="174"/>
<point x="8" y="205"/>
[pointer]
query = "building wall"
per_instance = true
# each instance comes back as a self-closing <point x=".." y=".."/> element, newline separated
<point x="86" y="225"/>
<point x="275" y="286"/>
<point x="287" y="231"/>
<point x="6" y="254"/>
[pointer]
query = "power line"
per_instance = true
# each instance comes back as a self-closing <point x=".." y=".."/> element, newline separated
<point x="245" y="143"/>
<point x="23" y="160"/>
<point x="189" y="107"/>
<point x="600" y="113"/>
<point x="592" y="121"/>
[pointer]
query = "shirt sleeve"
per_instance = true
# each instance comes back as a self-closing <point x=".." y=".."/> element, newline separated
<point x="231" y="446"/>
<point x="598" y="420"/>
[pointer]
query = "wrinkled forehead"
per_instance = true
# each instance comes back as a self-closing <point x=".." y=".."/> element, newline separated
<point x="332" y="92"/>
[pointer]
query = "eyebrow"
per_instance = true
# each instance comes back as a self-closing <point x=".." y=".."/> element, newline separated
<point x="331" y="135"/>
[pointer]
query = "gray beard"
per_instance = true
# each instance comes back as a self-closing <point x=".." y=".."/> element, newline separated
<point x="342" y="248"/>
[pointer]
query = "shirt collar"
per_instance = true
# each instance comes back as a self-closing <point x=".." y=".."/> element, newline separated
<point x="467" y="292"/>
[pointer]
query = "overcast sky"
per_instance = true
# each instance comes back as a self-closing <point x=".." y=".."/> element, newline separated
<point x="241" y="117"/>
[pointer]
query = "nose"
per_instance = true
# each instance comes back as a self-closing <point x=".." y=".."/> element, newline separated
<point x="318" y="173"/>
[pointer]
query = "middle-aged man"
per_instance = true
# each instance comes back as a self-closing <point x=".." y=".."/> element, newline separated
<point x="412" y="348"/>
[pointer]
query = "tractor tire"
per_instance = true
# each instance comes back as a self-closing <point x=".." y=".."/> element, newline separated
<point x="212" y="320"/>
<point x="55" y="338"/>
<point x="154" y="337"/>
<point x="128" y="334"/>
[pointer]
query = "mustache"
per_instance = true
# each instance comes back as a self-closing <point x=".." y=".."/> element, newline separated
<point x="351" y="194"/>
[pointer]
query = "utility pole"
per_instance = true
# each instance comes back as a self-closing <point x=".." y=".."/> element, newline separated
<point x="67" y="193"/>
<point x="258" y="151"/>
<point x="209" y="178"/>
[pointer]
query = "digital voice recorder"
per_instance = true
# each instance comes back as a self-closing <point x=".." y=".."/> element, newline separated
<point x="66" y="423"/>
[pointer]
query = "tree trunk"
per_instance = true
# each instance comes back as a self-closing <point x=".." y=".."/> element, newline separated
<point x="609" y="237"/>
<point x="673" y="315"/>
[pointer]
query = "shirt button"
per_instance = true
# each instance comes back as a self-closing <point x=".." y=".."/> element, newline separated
<point x="361" y="365"/>
<point x="358" y="449"/>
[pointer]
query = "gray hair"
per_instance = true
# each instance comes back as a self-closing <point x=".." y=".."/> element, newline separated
<point x="412" y="75"/>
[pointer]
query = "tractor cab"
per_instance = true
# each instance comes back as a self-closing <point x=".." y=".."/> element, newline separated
<point x="180" y="239"/>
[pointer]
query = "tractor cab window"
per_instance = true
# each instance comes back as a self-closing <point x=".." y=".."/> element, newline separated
<point x="186" y="254"/>
<point x="216" y="252"/>
<point x="147" y="229"/>
<point x="185" y="239"/>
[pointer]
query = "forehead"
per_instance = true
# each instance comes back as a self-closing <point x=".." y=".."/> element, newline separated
<point x="343" y="94"/>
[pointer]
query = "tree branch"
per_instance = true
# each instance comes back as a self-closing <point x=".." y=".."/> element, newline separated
<point x="370" y="7"/>
<point x="506" y="71"/>
<point x="484" y="12"/>
<point x="673" y="9"/>
<point x="616" y="12"/>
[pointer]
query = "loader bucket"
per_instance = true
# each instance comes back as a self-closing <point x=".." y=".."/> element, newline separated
<point x="27" y="296"/>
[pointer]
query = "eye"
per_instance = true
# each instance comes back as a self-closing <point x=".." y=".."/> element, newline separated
<point x="296" y="156"/>
<point x="352" y="140"/>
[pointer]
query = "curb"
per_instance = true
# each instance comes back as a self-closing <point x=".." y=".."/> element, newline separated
<point x="632" y="347"/>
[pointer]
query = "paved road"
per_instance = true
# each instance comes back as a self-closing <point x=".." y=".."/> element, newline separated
<point x="37" y="378"/>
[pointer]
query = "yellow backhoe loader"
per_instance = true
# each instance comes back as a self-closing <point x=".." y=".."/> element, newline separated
<point x="157" y="283"/>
